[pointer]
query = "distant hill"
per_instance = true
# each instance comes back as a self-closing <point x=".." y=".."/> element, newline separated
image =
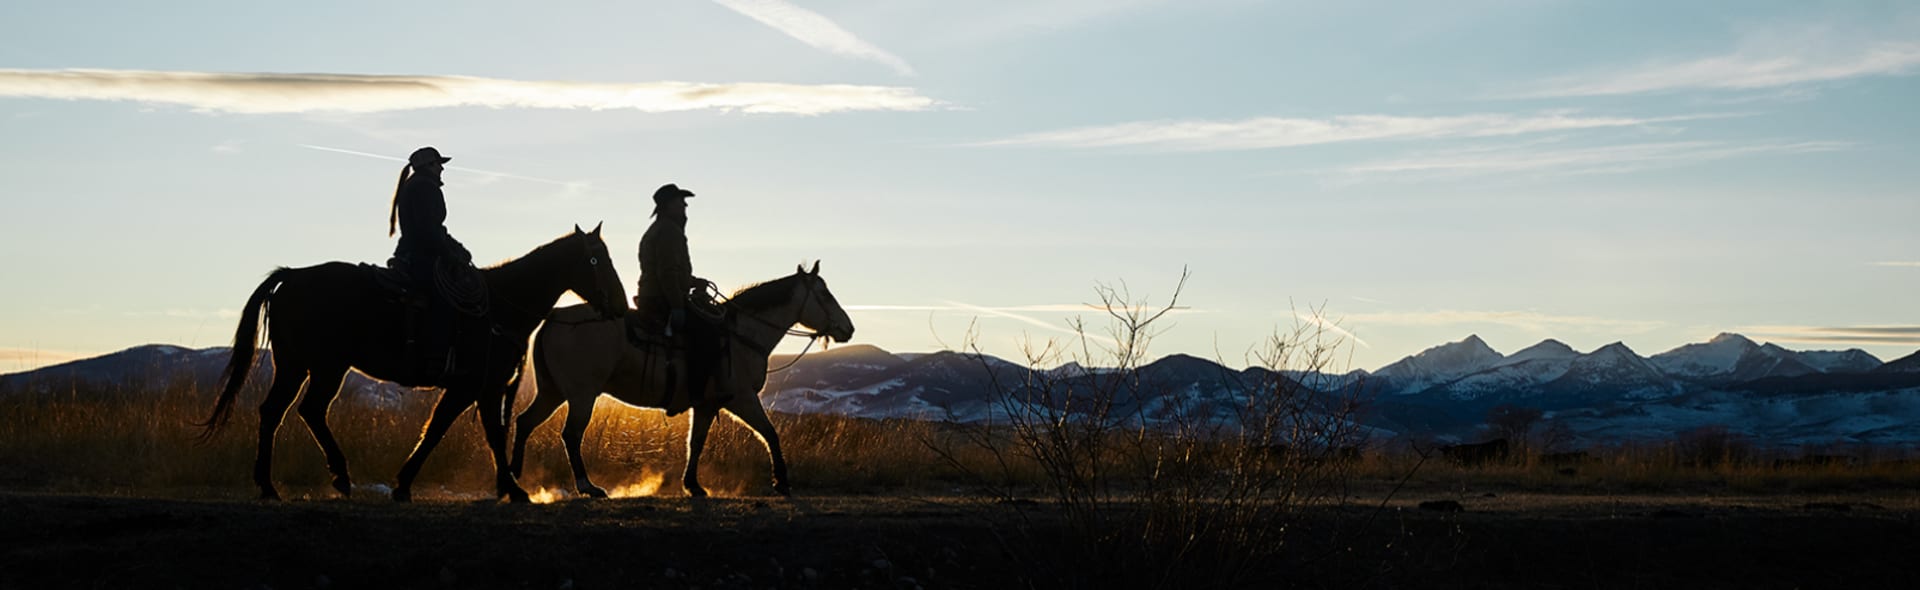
<point x="1764" y="391"/>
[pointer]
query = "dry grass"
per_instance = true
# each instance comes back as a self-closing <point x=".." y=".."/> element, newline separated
<point x="1655" y="469"/>
<point x="139" y="441"/>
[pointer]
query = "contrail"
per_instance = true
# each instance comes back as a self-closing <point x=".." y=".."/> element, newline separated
<point x="563" y="183"/>
<point x="1316" y="320"/>
<point x="811" y="28"/>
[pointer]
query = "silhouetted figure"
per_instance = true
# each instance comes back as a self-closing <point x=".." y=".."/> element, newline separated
<point x="666" y="283"/>
<point x="419" y="213"/>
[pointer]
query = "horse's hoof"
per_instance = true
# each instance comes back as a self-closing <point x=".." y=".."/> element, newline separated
<point x="402" y="495"/>
<point x="594" y="492"/>
<point x="344" y="486"/>
<point x="783" y="489"/>
<point x="696" y="492"/>
<point x="516" y="496"/>
<point x="268" y="495"/>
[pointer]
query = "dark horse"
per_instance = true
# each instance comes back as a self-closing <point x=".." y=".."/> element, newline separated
<point x="325" y="319"/>
<point x="576" y="358"/>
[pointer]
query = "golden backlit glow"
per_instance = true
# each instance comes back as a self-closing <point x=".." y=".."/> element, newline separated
<point x="647" y="485"/>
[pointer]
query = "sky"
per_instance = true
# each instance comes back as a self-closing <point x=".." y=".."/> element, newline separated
<point x="1403" y="173"/>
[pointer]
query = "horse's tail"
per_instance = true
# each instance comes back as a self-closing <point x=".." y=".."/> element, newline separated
<point x="246" y="340"/>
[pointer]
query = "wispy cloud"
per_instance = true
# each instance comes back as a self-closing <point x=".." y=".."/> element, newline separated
<point x="189" y="314"/>
<point x="1526" y="320"/>
<point x="11" y="355"/>
<point x="358" y="93"/>
<point x="1770" y="59"/>
<point x="1532" y="158"/>
<point x="1899" y="263"/>
<point x="814" y="30"/>
<point x="1859" y="335"/>
<point x="1279" y="132"/>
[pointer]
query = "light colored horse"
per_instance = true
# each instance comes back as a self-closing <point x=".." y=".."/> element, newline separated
<point x="578" y="356"/>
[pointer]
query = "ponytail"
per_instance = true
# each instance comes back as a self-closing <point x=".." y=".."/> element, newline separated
<point x="393" y="212"/>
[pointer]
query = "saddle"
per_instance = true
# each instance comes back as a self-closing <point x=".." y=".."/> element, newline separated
<point x="457" y="298"/>
<point x="702" y="339"/>
<point x="458" y="286"/>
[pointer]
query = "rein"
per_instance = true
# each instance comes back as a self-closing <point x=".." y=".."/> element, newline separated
<point x="812" y="337"/>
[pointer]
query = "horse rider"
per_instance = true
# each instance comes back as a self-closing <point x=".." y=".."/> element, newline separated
<point x="666" y="283"/>
<point x="419" y="213"/>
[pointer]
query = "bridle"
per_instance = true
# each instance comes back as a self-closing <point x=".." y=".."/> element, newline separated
<point x="800" y="311"/>
<point x="599" y="290"/>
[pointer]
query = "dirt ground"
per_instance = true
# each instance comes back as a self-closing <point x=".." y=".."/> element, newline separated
<point x="1502" y="541"/>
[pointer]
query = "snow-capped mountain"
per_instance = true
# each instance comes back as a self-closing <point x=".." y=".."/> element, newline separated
<point x="1607" y="394"/>
<point x="1612" y="372"/>
<point x="1852" y="360"/>
<point x="1905" y="364"/>
<point x="1769" y="360"/>
<point x="1547" y="350"/>
<point x="1519" y="375"/>
<point x="1732" y="358"/>
<point x="1438" y="365"/>
<point x="1704" y="359"/>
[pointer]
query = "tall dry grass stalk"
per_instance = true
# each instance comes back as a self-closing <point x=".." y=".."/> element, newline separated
<point x="1160" y="486"/>
<point x="139" y="439"/>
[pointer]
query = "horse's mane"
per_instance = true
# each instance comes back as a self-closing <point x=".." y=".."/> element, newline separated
<point x="765" y="294"/>
<point x="532" y="253"/>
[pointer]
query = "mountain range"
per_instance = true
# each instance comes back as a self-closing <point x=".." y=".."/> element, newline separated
<point x="1611" y="394"/>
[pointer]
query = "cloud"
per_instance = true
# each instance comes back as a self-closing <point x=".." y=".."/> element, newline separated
<point x="35" y="358"/>
<point x="1279" y="132"/>
<point x="1771" y="59"/>
<point x="814" y="30"/>
<point x="188" y="314"/>
<point x="1859" y="335"/>
<point x="1899" y="263"/>
<point x="1526" y="320"/>
<point x="358" y="93"/>
<point x="1584" y="160"/>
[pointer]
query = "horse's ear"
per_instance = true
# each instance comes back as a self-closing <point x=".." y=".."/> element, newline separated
<point x="800" y="269"/>
<point x="596" y="227"/>
<point x="816" y="269"/>
<point x="576" y="228"/>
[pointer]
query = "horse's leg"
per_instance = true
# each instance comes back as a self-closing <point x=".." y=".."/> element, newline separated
<point x="448" y="408"/>
<point x="313" y="409"/>
<point x="696" y="441"/>
<point x="545" y="402"/>
<point x="747" y="408"/>
<point x="286" y="386"/>
<point x="493" y="420"/>
<point x="579" y="415"/>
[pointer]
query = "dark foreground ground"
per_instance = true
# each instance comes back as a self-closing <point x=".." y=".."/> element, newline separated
<point x="71" y="541"/>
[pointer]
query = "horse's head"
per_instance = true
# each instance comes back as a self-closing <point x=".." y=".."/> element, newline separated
<point x="820" y="311"/>
<point x="594" y="278"/>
